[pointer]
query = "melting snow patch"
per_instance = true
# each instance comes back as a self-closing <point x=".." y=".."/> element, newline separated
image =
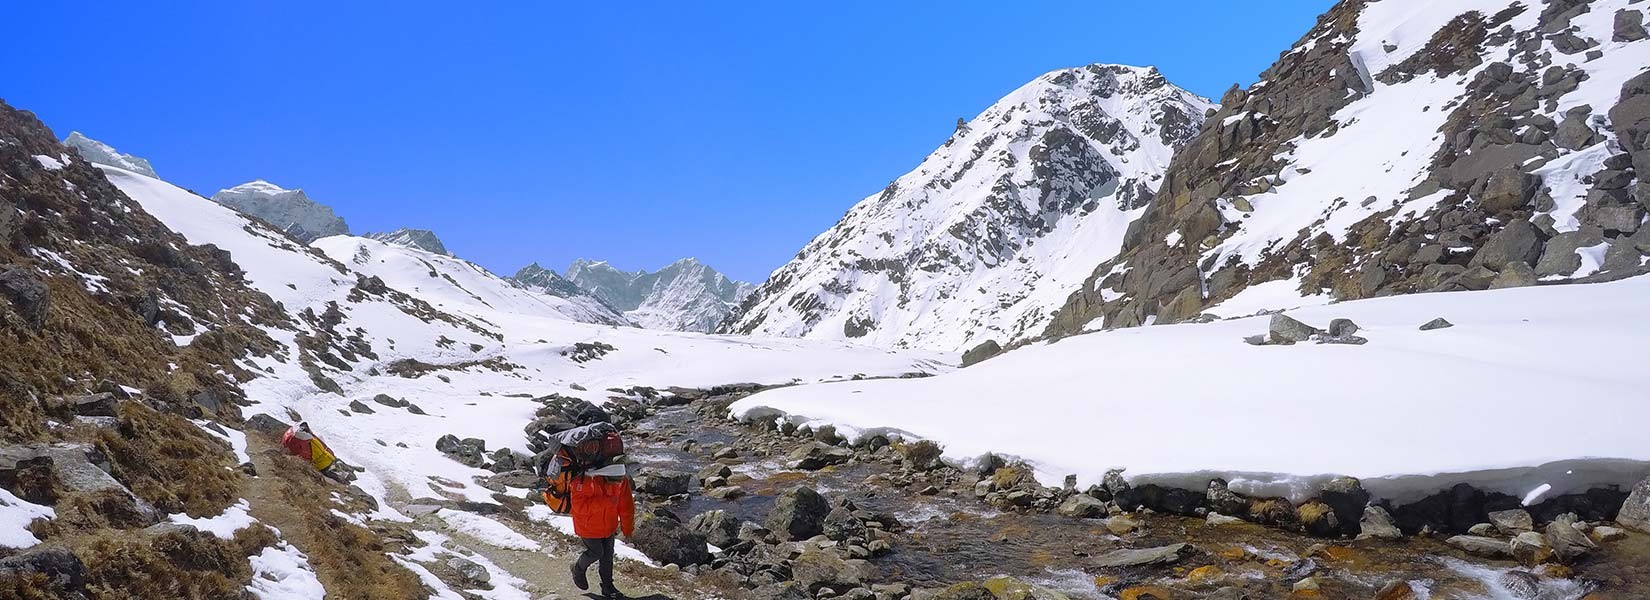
<point x="15" y="516"/>
<point x="48" y="163"/>
<point x="224" y="526"/>
<point x="281" y="572"/>
<point x="487" y="530"/>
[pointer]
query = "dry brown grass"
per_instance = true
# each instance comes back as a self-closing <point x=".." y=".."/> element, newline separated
<point x="170" y="462"/>
<point x="351" y="561"/>
<point x="174" y="565"/>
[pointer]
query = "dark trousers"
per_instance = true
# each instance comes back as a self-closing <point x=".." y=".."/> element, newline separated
<point x="598" y="550"/>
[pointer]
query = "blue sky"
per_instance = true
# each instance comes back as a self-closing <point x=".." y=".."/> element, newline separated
<point x="636" y="132"/>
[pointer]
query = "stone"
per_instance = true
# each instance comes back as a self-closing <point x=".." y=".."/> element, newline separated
<point x="1530" y="548"/>
<point x="714" y="470"/>
<point x="1480" y="546"/>
<point x="798" y="514"/>
<point x="1215" y="519"/>
<point x="1285" y="330"/>
<point x="1606" y="533"/>
<point x="1514" y="275"/>
<point x="360" y="407"/>
<point x="1518" y="242"/>
<point x="387" y="400"/>
<point x="922" y="455"/>
<point x="1625" y="218"/>
<point x="1438" y="323"/>
<point x="1512" y="522"/>
<point x="1629" y="26"/>
<point x="28" y="293"/>
<point x="472" y="574"/>
<point x="266" y="425"/>
<point x="1560" y="256"/>
<point x="81" y="469"/>
<point x="1346" y="495"/>
<point x="1121" y="525"/>
<point x="719" y="528"/>
<point x="90" y="405"/>
<point x="662" y="482"/>
<point x="841" y="525"/>
<point x="1397" y="590"/>
<point x="1484" y="529"/>
<point x="1009" y="588"/>
<point x="1377" y="523"/>
<point x="1574" y="133"/>
<point x="984" y="350"/>
<point x="1509" y="189"/>
<point x="1318" y="518"/>
<point x="814" y="456"/>
<point x="725" y="492"/>
<point x="1161" y="555"/>
<point x="965" y="591"/>
<point x="664" y="539"/>
<point x="58" y="567"/>
<point x="1081" y="506"/>
<point x="1522" y="585"/>
<point x="1635" y="513"/>
<point x="1342" y="327"/>
<point x="1222" y="499"/>
<point x="817" y="569"/>
<point x="1569" y="543"/>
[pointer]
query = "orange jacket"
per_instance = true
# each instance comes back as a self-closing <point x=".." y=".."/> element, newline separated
<point x="602" y="506"/>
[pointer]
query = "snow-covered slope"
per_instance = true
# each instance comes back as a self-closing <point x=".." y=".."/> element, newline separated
<point x="1527" y="377"/>
<point x="422" y="239"/>
<point x="102" y="154"/>
<point x="456" y="285"/>
<point x="290" y="210"/>
<point x="995" y="228"/>
<point x="1403" y="147"/>
<point x="687" y="295"/>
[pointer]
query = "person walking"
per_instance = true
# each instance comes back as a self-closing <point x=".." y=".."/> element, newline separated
<point x="602" y="507"/>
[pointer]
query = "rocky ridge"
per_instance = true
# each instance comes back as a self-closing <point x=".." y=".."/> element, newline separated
<point x="979" y="241"/>
<point x="686" y="295"/>
<point x="291" y="211"/>
<point x="102" y="154"/>
<point x="1508" y="140"/>
<point x="422" y="239"/>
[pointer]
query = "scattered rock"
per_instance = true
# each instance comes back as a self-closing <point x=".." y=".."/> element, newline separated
<point x="1512" y="522"/>
<point x="56" y="567"/>
<point x="1520" y="584"/>
<point x="922" y="455"/>
<point x="1161" y="555"/>
<point x="985" y="350"/>
<point x="360" y="407"/>
<point x="798" y="514"/>
<point x="661" y="482"/>
<point x="1377" y="523"/>
<point x="1629" y="26"/>
<point x="1438" y="323"/>
<point x="28" y="294"/>
<point x="718" y="527"/>
<point x="1568" y="542"/>
<point x="1480" y="546"/>
<point x="1635" y="513"/>
<point x="815" y="456"/>
<point x="1081" y="506"/>
<point x="1284" y="330"/>
<point x="664" y="539"/>
<point x="817" y="569"/>
<point x="1397" y="590"/>
<point x="1530" y="548"/>
<point x="470" y="573"/>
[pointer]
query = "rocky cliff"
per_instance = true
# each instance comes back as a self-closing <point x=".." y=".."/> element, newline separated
<point x="289" y="210"/>
<point x="1402" y="147"/>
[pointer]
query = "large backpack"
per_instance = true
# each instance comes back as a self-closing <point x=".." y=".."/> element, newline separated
<point x="579" y="449"/>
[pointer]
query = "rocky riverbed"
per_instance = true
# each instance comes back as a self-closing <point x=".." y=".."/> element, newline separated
<point x="797" y="513"/>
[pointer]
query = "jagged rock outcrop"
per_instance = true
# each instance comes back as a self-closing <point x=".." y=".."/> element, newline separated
<point x="422" y="239"/>
<point x="1401" y="147"/>
<point x="102" y="154"/>
<point x="687" y="295"/>
<point x="984" y="238"/>
<point x="291" y="211"/>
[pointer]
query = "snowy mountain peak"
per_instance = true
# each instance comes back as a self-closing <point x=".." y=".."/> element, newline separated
<point x="979" y="242"/>
<point x="422" y="239"/>
<point x="290" y="210"/>
<point x="687" y="295"/>
<point x="103" y="154"/>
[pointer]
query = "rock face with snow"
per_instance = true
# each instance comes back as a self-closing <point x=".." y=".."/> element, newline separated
<point x="1402" y="147"/>
<point x="289" y="210"/>
<point x="546" y="281"/>
<point x="102" y="154"/>
<point x="422" y="239"/>
<point x="687" y="295"/>
<point x="993" y="230"/>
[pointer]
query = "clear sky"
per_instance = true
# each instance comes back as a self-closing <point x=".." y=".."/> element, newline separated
<point x="635" y="132"/>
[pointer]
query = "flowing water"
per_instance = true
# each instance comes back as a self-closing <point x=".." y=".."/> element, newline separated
<point x="952" y="537"/>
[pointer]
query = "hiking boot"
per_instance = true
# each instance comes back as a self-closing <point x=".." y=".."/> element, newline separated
<point x="578" y="577"/>
<point x="612" y="594"/>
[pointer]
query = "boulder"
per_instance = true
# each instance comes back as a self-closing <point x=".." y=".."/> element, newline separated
<point x="1318" y="519"/>
<point x="387" y="400"/>
<point x="1514" y="275"/>
<point x="1512" y="522"/>
<point x="1438" y="323"/>
<point x="817" y="569"/>
<point x="985" y="350"/>
<point x="28" y="294"/>
<point x="1629" y="26"/>
<point x="1480" y="546"/>
<point x="1223" y="500"/>
<point x="1509" y="189"/>
<point x="1568" y="542"/>
<point x="662" y="482"/>
<point x="1342" y="328"/>
<point x="1377" y="523"/>
<point x="58" y="568"/>
<point x="266" y="425"/>
<point x="1574" y="133"/>
<point x="1346" y="495"/>
<point x="1161" y="555"/>
<point x="662" y="538"/>
<point x="360" y="407"/>
<point x="1635" y="513"/>
<point x="90" y="405"/>
<point x="1008" y="588"/>
<point x="1081" y="506"/>
<point x="965" y="591"/>
<point x="1518" y="242"/>
<point x="470" y="573"/>
<point x="798" y="514"/>
<point x="1520" y="584"/>
<point x="1560" y="257"/>
<point x="719" y="528"/>
<point x="1284" y="330"/>
<point x="1530" y="548"/>
<point x="921" y="455"/>
<point x="814" y="456"/>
